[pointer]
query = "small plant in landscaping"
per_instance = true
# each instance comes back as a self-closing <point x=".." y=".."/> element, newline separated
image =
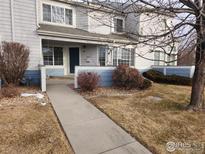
<point x="14" y="58"/>
<point x="126" y="77"/>
<point x="146" y="84"/>
<point x="9" y="91"/>
<point x="88" y="81"/>
<point x="170" y="79"/>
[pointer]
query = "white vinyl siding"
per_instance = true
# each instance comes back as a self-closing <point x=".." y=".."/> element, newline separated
<point x="5" y="18"/>
<point x="25" y="25"/>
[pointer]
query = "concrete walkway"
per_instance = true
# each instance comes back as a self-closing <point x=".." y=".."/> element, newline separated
<point x="89" y="130"/>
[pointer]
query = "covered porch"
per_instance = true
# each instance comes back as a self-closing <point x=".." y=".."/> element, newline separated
<point x="61" y="57"/>
<point x="63" y="48"/>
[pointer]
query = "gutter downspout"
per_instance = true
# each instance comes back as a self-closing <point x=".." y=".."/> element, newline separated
<point x="37" y="14"/>
<point x="12" y="20"/>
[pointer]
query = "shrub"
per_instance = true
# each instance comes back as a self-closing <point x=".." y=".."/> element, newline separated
<point x="146" y="84"/>
<point x="170" y="79"/>
<point x="9" y="91"/>
<point x="13" y="62"/>
<point x="88" y="81"/>
<point x="126" y="77"/>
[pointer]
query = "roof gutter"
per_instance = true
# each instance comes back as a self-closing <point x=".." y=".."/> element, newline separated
<point x="12" y="20"/>
<point x="107" y="40"/>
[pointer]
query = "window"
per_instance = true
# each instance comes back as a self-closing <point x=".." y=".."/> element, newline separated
<point x="102" y="53"/>
<point x="156" y="57"/>
<point x="118" y="25"/>
<point x="171" y="58"/>
<point x="123" y="56"/>
<point x="57" y="14"/>
<point x="48" y="56"/>
<point x="68" y="16"/>
<point x="53" y="55"/>
<point x="46" y="13"/>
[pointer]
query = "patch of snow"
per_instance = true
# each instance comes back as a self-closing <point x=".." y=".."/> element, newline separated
<point x="154" y="98"/>
<point x="38" y="95"/>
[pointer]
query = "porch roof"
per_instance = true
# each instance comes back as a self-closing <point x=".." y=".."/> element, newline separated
<point x="75" y="33"/>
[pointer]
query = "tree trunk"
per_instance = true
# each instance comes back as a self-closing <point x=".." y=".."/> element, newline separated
<point x="197" y="94"/>
<point x="197" y="88"/>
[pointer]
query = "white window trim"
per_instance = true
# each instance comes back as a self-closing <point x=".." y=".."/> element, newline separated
<point x="121" y="18"/>
<point x="58" y="5"/>
<point x="98" y="54"/>
<point x="130" y="56"/>
<point x="56" y="66"/>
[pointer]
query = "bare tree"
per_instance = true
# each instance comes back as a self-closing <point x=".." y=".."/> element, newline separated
<point x="14" y="58"/>
<point x="187" y="26"/>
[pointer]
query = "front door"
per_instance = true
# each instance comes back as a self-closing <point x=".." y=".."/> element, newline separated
<point x="74" y="59"/>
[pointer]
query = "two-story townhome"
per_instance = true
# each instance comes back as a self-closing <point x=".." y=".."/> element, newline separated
<point x="63" y="34"/>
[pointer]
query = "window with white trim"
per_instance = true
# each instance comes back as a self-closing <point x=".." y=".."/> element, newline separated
<point x="102" y="55"/>
<point x="123" y="56"/>
<point x="56" y="14"/>
<point x="156" y="57"/>
<point x="53" y="56"/>
<point x="118" y="25"/>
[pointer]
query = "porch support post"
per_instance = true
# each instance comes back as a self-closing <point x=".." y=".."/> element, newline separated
<point x="43" y="79"/>
<point x="76" y="77"/>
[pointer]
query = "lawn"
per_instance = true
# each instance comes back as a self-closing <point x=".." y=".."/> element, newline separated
<point x="26" y="126"/>
<point x="155" y="116"/>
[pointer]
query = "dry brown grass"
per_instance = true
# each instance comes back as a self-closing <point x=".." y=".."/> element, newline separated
<point x="156" y="122"/>
<point x="28" y="127"/>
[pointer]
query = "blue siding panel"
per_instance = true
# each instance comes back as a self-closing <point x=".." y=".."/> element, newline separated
<point x="181" y="72"/>
<point x="159" y="69"/>
<point x="105" y="75"/>
<point x="55" y="72"/>
<point x="33" y="76"/>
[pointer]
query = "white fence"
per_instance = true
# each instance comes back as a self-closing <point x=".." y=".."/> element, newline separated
<point x="105" y="73"/>
<point x="186" y="71"/>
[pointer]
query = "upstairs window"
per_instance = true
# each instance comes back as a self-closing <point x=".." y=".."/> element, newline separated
<point x="118" y="25"/>
<point x="56" y="14"/>
<point x="69" y="16"/>
<point x="46" y="13"/>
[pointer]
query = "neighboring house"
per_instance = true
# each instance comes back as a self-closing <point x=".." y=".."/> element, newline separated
<point x="63" y="34"/>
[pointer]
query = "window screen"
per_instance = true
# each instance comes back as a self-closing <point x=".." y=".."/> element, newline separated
<point x="57" y="14"/>
<point x="58" y="56"/>
<point x="46" y="12"/>
<point x="118" y="25"/>
<point x="68" y="16"/>
<point x="102" y="53"/>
